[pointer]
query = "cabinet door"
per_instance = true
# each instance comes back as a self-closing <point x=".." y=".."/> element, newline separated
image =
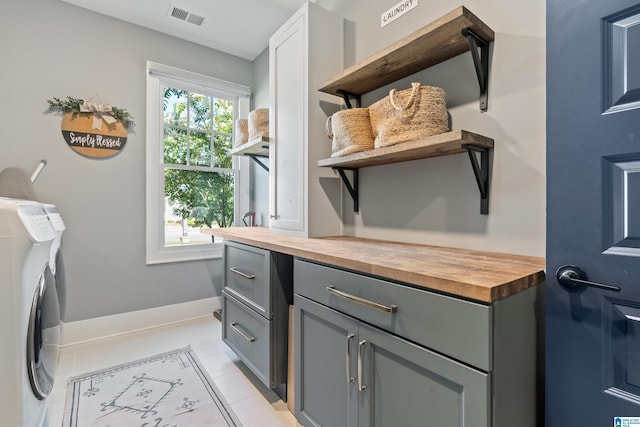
<point x="325" y="342"/>
<point x="287" y="54"/>
<point x="408" y="385"/>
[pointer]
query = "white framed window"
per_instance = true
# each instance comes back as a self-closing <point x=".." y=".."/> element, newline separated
<point x="192" y="182"/>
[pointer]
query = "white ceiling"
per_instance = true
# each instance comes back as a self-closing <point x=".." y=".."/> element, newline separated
<point x="238" y="27"/>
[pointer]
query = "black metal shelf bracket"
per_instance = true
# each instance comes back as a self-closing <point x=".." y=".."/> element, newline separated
<point x="347" y="96"/>
<point x="256" y="158"/>
<point x="353" y="189"/>
<point x="481" y="63"/>
<point x="481" y="172"/>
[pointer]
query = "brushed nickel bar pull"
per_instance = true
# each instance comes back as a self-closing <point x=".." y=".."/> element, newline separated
<point x="387" y="309"/>
<point x="242" y="334"/>
<point x="240" y="273"/>
<point x="361" y="387"/>
<point x="350" y="379"/>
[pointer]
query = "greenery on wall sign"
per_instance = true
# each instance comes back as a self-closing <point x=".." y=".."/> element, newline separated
<point x="75" y="106"/>
<point x="199" y="180"/>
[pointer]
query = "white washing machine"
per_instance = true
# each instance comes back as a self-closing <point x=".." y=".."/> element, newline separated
<point x="29" y="313"/>
<point x="58" y="225"/>
<point x="55" y="259"/>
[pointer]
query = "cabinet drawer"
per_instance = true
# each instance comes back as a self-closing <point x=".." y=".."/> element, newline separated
<point x="458" y="328"/>
<point x="246" y="276"/>
<point x="248" y="334"/>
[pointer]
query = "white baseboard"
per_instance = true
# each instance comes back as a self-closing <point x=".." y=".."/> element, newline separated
<point x="118" y="324"/>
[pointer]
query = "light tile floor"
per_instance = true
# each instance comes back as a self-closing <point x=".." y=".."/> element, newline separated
<point x="253" y="403"/>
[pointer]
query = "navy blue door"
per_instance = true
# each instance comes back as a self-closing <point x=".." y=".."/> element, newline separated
<point x="593" y="213"/>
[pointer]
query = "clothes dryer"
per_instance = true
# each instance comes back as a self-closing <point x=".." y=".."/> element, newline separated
<point x="29" y="313"/>
<point x="55" y="258"/>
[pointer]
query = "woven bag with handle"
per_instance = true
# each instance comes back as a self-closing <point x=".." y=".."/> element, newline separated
<point x="258" y="123"/>
<point x="242" y="132"/>
<point x="350" y="131"/>
<point x="409" y="114"/>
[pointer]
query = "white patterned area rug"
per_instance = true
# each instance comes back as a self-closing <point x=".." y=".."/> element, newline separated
<point x="167" y="390"/>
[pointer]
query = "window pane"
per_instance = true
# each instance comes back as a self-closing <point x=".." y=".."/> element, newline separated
<point x="221" y="146"/>
<point x="200" y="111"/>
<point x="176" y="146"/>
<point x="200" y="149"/>
<point x="175" y="107"/>
<point x="196" y="199"/>
<point x="223" y="113"/>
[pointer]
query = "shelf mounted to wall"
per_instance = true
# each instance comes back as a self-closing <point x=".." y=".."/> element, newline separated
<point x="454" y="142"/>
<point x="451" y="35"/>
<point x="348" y="96"/>
<point x="481" y="64"/>
<point x="256" y="158"/>
<point x="256" y="149"/>
<point x="481" y="172"/>
<point x="351" y="188"/>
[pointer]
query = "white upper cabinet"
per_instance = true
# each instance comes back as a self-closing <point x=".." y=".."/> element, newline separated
<point x="304" y="199"/>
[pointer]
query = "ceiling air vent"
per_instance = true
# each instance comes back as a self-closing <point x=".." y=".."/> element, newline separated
<point x="185" y="15"/>
<point x="195" y="19"/>
<point x="179" y="13"/>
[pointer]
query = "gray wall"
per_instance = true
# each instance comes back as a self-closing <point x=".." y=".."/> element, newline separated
<point x="53" y="49"/>
<point x="436" y="201"/>
<point x="260" y="177"/>
<point x="431" y="201"/>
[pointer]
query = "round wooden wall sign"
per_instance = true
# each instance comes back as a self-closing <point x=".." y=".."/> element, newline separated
<point x="93" y="137"/>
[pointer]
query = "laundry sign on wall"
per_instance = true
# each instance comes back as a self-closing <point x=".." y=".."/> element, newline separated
<point x="92" y="129"/>
<point x="397" y="11"/>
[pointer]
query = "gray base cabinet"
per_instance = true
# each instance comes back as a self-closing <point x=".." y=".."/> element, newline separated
<point x="407" y="385"/>
<point x="325" y="346"/>
<point x="371" y="352"/>
<point x="258" y="286"/>
<point x="353" y="374"/>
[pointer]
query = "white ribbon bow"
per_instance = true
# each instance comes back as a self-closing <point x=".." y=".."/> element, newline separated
<point x="100" y="112"/>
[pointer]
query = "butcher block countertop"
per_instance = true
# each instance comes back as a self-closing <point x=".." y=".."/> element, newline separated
<point x="476" y="275"/>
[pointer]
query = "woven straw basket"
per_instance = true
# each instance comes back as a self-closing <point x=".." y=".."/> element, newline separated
<point x="408" y="115"/>
<point x="242" y="132"/>
<point x="351" y="131"/>
<point x="259" y="123"/>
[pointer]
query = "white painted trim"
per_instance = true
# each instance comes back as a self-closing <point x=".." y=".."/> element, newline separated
<point x="197" y="81"/>
<point x="125" y="323"/>
<point x="155" y="249"/>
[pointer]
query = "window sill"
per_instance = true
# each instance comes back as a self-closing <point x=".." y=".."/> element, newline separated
<point x="185" y="253"/>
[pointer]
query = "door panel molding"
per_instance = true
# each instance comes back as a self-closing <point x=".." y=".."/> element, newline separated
<point x="621" y="205"/>
<point x="621" y="349"/>
<point x="621" y="35"/>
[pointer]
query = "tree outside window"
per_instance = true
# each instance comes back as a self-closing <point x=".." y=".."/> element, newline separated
<point x="198" y="174"/>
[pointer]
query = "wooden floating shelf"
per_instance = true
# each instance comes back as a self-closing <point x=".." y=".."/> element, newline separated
<point x="434" y="43"/>
<point x="257" y="146"/>
<point x="454" y="142"/>
<point x="453" y="34"/>
<point x="433" y="146"/>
